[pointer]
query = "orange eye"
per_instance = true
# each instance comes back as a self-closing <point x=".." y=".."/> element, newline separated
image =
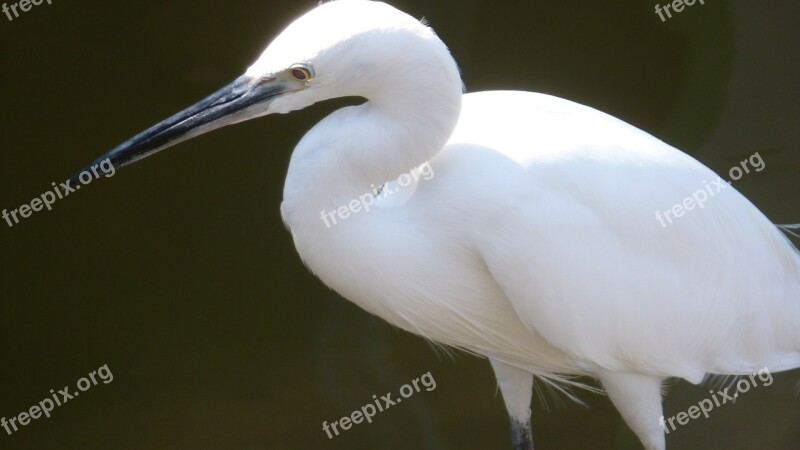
<point x="301" y="73"/>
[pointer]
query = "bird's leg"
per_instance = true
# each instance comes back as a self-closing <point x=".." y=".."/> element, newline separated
<point x="521" y="435"/>
<point x="638" y="399"/>
<point x="516" y="386"/>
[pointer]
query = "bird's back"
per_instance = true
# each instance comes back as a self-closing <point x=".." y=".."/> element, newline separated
<point x="561" y="200"/>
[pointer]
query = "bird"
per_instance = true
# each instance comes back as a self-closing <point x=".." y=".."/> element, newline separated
<point x="513" y="225"/>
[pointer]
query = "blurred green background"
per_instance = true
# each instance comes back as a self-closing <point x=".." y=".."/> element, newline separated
<point x="178" y="273"/>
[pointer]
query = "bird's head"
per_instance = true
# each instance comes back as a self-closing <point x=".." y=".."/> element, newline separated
<point x="340" y="48"/>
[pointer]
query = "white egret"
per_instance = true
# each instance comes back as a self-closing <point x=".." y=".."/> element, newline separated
<point x="535" y="243"/>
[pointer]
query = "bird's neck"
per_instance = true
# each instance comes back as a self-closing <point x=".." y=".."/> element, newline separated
<point x="356" y="149"/>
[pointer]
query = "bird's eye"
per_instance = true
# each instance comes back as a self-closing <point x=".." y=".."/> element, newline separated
<point x="301" y="72"/>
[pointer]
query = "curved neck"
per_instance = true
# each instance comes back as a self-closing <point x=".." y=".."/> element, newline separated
<point x="356" y="149"/>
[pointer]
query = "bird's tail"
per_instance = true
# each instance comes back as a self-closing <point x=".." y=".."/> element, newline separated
<point x="791" y="229"/>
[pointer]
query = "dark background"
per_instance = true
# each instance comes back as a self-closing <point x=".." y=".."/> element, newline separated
<point x="178" y="273"/>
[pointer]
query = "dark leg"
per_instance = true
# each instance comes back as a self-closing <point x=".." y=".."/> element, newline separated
<point x="521" y="435"/>
<point x="516" y="385"/>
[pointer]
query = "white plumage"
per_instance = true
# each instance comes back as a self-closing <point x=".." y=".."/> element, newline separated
<point x="534" y="243"/>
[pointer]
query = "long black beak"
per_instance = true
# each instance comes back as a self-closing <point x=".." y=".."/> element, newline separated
<point x="243" y="99"/>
